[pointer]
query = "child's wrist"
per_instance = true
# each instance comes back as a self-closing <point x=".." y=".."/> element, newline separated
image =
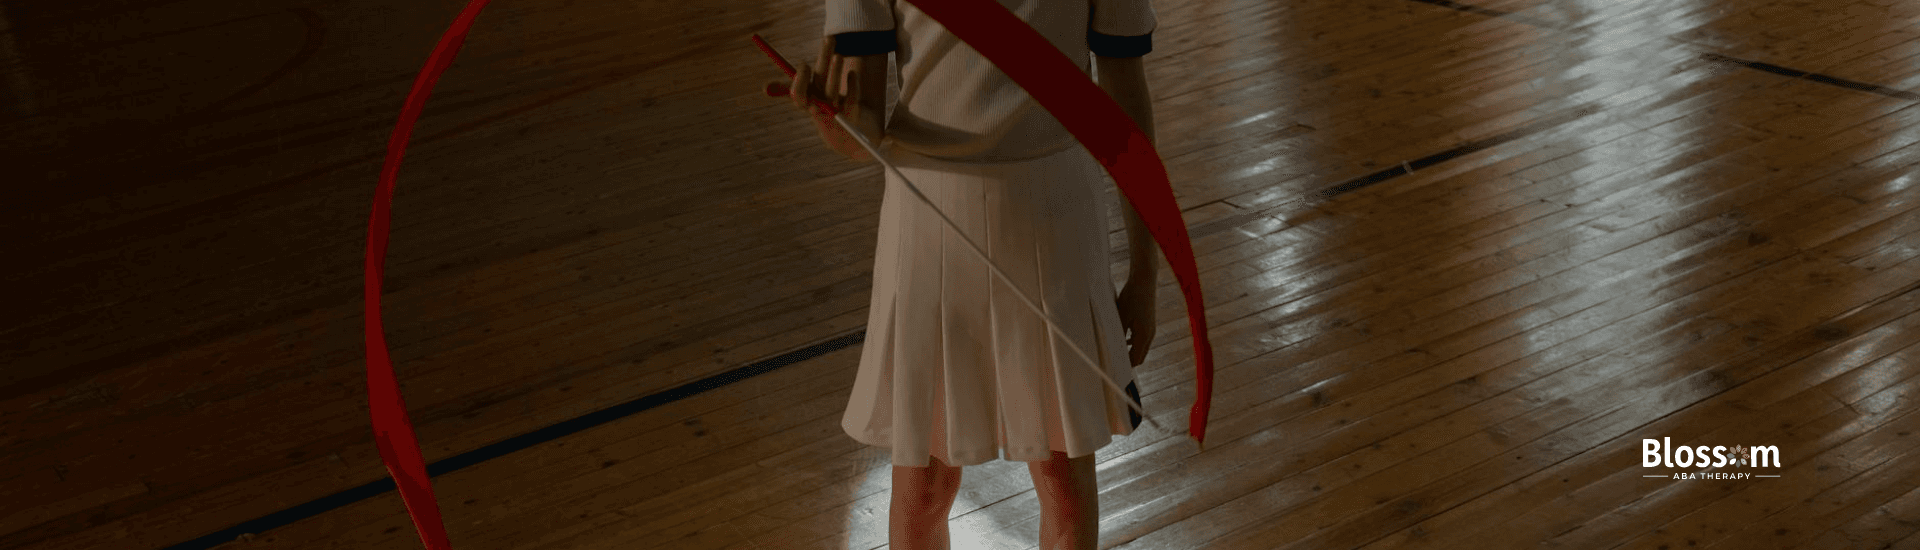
<point x="1144" y="274"/>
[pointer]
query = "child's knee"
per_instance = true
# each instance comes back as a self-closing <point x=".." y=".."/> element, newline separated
<point x="947" y="481"/>
<point x="936" y="478"/>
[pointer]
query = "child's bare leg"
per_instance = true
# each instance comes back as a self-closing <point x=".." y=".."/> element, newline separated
<point x="1069" y="502"/>
<point x="921" y="499"/>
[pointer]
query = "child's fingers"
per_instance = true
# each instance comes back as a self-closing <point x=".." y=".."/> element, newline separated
<point x="802" y="86"/>
<point x="826" y="52"/>
<point x="852" y="81"/>
<point x="836" y="78"/>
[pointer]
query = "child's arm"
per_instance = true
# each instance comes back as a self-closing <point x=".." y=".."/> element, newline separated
<point x="1125" y="78"/>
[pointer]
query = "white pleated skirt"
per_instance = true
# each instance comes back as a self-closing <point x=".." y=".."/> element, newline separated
<point x="955" y="365"/>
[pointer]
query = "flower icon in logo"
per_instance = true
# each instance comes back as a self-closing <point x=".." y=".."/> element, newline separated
<point x="1739" y="456"/>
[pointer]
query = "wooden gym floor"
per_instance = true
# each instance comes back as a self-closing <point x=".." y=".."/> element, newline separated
<point x="1625" y="220"/>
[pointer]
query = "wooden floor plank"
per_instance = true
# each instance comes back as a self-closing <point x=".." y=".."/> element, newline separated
<point x="1879" y="526"/>
<point x="1564" y="496"/>
<point x="1481" y="382"/>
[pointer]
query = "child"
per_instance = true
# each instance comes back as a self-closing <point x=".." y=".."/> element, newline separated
<point x="956" y="370"/>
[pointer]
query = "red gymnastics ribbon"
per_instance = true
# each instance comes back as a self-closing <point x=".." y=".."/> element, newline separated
<point x="1097" y="121"/>
<point x="392" y="432"/>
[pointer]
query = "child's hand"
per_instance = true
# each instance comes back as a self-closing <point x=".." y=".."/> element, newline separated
<point x="1138" y="296"/>
<point x="1136" y="305"/>
<point x="838" y="86"/>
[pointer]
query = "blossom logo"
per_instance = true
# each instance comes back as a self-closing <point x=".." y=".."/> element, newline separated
<point x="1662" y="453"/>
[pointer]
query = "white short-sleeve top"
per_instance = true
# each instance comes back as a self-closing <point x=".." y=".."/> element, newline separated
<point x="955" y="105"/>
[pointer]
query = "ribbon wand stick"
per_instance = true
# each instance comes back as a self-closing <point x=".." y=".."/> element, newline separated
<point x="861" y="138"/>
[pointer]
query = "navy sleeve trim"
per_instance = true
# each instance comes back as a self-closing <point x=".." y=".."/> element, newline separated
<point x="1107" y="45"/>
<point x="853" y="44"/>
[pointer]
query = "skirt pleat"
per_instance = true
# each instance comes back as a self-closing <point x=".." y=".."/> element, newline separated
<point x="955" y="364"/>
